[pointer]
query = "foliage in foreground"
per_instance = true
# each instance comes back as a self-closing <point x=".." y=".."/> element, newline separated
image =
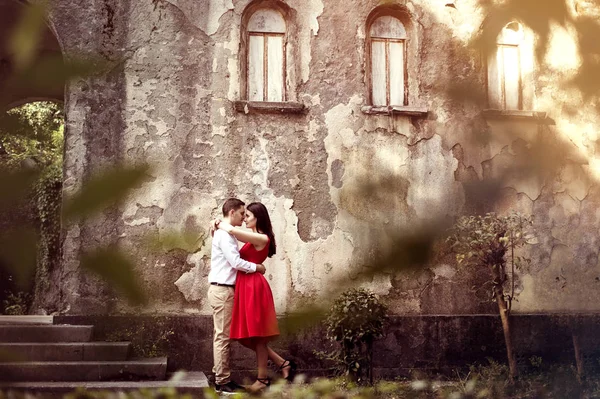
<point x="485" y="382"/>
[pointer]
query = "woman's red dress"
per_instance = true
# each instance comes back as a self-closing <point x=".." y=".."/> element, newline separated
<point x="253" y="307"/>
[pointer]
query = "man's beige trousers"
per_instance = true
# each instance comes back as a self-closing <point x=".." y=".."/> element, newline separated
<point x="221" y="301"/>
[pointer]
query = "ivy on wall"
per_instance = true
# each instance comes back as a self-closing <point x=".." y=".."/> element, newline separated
<point x="48" y="200"/>
<point x="31" y="137"/>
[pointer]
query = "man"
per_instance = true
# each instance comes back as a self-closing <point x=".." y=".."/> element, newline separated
<point x="225" y="262"/>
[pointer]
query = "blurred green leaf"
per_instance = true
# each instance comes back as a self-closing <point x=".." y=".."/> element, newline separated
<point x="24" y="42"/>
<point x="479" y="194"/>
<point x="210" y="393"/>
<point x="465" y="92"/>
<point x="8" y="356"/>
<point x="117" y="270"/>
<point x="402" y="252"/>
<point x="48" y="75"/>
<point x="15" y="186"/>
<point x="18" y="253"/>
<point x="104" y="190"/>
<point x="165" y="241"/>
<point x="307" y="317"/>
<point x="537" y="15"/>
<point x="587" y="79"/>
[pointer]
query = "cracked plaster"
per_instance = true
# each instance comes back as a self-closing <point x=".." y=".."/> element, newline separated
<point x="179" y="77"/>
<point x="206" y="17"/>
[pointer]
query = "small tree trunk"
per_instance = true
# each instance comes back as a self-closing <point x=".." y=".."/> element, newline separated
<point x="369" y="346"/>
<point x="349" y="360"/>
<point x="578" y="359"/>
<point x="512" y="361"/>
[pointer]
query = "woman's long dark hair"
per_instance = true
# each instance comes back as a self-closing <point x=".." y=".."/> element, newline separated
<point x="263" y="224"/>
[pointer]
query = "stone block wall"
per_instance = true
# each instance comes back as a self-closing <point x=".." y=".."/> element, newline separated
<point x="431" y="344"/>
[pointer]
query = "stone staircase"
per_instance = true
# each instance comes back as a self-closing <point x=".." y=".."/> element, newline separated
<point x="37" y="355"/>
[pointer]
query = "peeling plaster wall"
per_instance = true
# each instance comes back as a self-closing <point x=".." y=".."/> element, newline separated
<point x="168" y="101"/>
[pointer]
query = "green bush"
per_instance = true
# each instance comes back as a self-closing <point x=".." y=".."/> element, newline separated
<point x="16" y="304"/>
<point x="356" y="319"/>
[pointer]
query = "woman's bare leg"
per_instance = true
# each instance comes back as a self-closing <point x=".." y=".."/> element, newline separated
<point x="262" y="357"/>
<point x="274" y="356"/>
<point x="279" y="361"/>
<point x="251" y="343"/>
<point x="248" y="343"/>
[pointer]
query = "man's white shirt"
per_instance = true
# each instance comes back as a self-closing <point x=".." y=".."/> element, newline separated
<point x="225" y="260"/>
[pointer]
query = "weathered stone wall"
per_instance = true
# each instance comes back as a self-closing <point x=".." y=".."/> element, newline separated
<point x="168" y="100"/>
<point x="436" y="344"/>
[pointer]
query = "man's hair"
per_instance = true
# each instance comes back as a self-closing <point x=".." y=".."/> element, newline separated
<point x="231" y="204"/>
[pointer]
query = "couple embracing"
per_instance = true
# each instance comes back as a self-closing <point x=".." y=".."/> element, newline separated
<point x="240" y="296"/>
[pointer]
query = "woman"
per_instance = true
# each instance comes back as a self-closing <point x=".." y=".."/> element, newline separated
<point x="254" y="322"/>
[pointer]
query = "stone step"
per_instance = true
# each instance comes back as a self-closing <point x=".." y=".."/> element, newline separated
<point x="64" y="351"/>
<point x="45" y="333"/>
<point x="193" y="383"/>
<point x="144" y="369"/>
<point x="19" y="320"/>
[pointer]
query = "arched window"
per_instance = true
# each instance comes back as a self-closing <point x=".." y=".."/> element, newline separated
<point x="387" y="42"/>
<point x="505" y="74"/>
<point x="266" y="31"/>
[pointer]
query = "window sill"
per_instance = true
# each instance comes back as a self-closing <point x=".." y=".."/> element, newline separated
<point x="395" y="110"/>
<point x="286" y="107"/>
<point x="502" y="114"/>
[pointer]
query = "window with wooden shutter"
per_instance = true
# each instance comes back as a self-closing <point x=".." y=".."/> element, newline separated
<point x="387" y="37"/>
<point x="266" y="56"/>
<point x="505" y="87"/>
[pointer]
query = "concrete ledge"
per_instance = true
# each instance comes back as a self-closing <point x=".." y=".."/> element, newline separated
<point x="194" y="383"/>
<point x="145" y="369"/>
<point x="19" y="320"/>
<point x="66" y="351"/>
<point x="505" y="114"/>
<point x="395" y="110"/>
<point x="44" y="333"/>
<point x="286" y="107"/>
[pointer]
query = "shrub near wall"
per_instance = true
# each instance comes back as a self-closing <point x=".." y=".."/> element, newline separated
<point x="355" y="321"/>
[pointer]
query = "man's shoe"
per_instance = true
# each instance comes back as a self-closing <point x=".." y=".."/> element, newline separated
<point x="230" y="387"/>
<point x="237" y="387"/>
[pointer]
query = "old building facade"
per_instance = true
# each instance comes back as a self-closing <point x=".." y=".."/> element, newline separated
<point x="300" y="104"/>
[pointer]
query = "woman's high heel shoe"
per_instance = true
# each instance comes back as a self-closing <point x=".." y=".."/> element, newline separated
<point x="293" y="369"/>
<point x="266" y="383"/>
